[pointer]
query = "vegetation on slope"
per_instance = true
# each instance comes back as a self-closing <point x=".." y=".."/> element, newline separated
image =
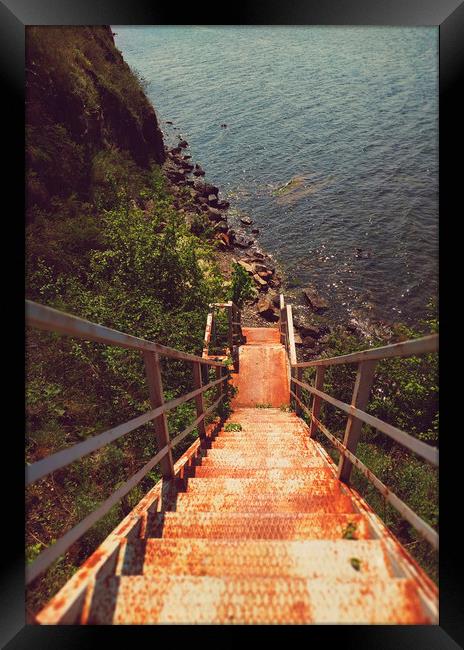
<point x="104" y="243"/>
<point x="404" y="394"/>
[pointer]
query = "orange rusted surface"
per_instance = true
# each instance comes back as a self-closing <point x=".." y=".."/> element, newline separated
<point x="261" y="335"/>
<point x="257" y="529"/>
<point x="263" y="376"/>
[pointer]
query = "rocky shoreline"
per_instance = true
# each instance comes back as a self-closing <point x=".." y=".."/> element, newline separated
<point x="200" y="203"/>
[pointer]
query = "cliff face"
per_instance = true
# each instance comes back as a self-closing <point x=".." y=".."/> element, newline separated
<point x="81" y="98"/>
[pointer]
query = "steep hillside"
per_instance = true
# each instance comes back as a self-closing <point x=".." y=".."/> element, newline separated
<point x="81" y="99"/>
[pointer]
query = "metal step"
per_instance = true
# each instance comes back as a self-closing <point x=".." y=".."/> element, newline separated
<point x="317" y="473"/>
<point x="255" y="462"/>
<point x="298" y="484"/>
<point x="264" y="502"/>
<point x="258" y="525"/>
<point x="186" y="599"/>
<point x="343" y="559"/>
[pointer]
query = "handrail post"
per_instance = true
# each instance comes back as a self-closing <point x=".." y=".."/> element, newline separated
<point x="231" y="331"/>
<point x="360" y="398"/>
<point x="155" y="388"/>
<point x="218" y="371"/>
<point x="281" y="307"/>
<point x="319" y="385"/>
<point x="299" y="376"/>
<point x="199" y="402"/>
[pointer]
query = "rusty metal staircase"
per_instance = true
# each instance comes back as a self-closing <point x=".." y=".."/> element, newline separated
<point x="254" y="524"/>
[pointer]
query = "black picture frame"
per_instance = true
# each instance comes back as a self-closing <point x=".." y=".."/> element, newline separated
<point x="15" y="15"/>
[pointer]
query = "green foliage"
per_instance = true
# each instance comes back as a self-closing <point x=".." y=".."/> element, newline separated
<point x="134" y="265"/>
<point x="242" y="286"/>
<point x="404" y="394"/>
<point x="233" y="426"/>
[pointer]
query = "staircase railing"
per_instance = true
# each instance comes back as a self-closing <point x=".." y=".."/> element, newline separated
<point x="366" y="361"/>
<point x="46" y="318"/>
<point x="234" y="332"/>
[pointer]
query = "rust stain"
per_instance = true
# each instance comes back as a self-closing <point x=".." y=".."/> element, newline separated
<point x="256" y="533"/>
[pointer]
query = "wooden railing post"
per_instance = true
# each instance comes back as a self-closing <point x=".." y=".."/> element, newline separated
<point x="155" y="388"/>
<point x="319" y="385"/>
<point x="199" y="402"/>
<point x="360" y="398"/>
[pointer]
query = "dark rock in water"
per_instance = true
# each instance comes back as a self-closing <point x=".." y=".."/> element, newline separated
<point x="224" y="126"/>
<point x="242" y="242"/>
<point x="183" y="144"/>
<point x="267" y="310"/>
<point x="362" y="254"/>
<point x="246" y="220"/>
<point x="215" y="215"/>
<point x="186" y="157"/>
<point x="223" y="205"/>
<point x="206" y="188"/>
<point x="199" y="172"/>
<point x="212" y="200"/>
<point x="169" y="122"/>
<point x="255" y="231"/>
<point x="315" y="300"/>
<point x="175" y="151"/>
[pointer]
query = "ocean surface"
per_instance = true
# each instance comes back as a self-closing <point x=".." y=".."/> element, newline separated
<point x="348" y="114"/>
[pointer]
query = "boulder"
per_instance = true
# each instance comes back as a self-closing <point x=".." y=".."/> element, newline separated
<point x="199" y="172"/>
<point x="221" y="226"/>
<point x="276" y="300"/>
<point x="315" y="300"/>
<point x="246" y="220"/>
<point x="248" y="267"/>
<point x="212" y="200"/>
<point x="262" y="284"/>
<point x="223" y="205"/>
<point x="205" y="188"/>
<point x="242" y="242"/>
<point x="223" y="240"/>
<point x="183" y="144"/>
<point x="266" y="310"/>
<point x="215" y="215"/>
<point x="255" y="231"/>
<point x="308" y="342"/>
<point x="261" y="268"/>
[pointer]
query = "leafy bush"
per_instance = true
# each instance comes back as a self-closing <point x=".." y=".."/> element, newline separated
<point x="242" y="286"/>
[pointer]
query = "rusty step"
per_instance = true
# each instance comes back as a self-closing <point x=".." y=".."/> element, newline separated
<point x="264" y="502"/>
<point x="342" y="559"/>
<point x="257" y="462"/>
<point x="298" y="484"/>
<point x="293" y="443"/>
<point x="318" y="473"/>
<point x="186" y="599"/>
<point x="258" y="525"/>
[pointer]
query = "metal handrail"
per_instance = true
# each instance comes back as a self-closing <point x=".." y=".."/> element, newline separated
<point x="366" y="360"/>
<point x="49" y="319"/>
